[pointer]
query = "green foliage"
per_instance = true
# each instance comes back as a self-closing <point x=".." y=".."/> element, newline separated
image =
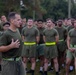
<point x="55" y="9"/>
<point x="73" y="11"/>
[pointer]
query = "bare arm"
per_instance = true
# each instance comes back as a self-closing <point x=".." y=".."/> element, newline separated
<point x="44" y="38"/>
<point x="37" y="39"/>
<point x="68" y="44"/>
<point x="5" y="48"/>
<point x="57" y="38"/>
<point x="23" y="38"/>
<point x="13" y="44"/>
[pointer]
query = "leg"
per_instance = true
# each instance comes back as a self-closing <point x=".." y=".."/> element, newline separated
<point x="0" y="64"/>
<point x="71" y="66"/>
<point x="55" y="60"/>
<point x="33" y="63"/>
<point x="24" y="59"/>
<point x="68" y="61"/>
<point x="41" y="56"/>
<point x="50" y="65"/>
<point x="75" y="65"/>
<point x="45" y="66"/>
<point x="41" y="63"/>
<point x="69" y="58"/>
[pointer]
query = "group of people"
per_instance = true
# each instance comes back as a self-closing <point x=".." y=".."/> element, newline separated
<point x="47" y="41"/>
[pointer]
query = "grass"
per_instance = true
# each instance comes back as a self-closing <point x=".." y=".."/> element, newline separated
<point x="62" y="72"/>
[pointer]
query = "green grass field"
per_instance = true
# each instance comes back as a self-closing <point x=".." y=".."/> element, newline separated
<point x="62" y="72"/>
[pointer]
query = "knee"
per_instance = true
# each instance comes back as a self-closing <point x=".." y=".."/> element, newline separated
<point x="68" y="63"/>
<point x="55" y="62"/>
<point x="24" y="60"/>
<point x="33" y="60"/>
<point x="45" y="61"/>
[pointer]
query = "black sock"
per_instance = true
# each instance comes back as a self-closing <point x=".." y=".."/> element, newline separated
<point x="45" y="72"/>
<point x="32" y="72"/>
<point x="0" y="67"/>
<point x="57" y="73"/>
<point x="59" y="69"/>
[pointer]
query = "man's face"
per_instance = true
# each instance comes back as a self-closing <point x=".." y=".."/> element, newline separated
<point x="24" y="21"/>
<point x="40" y="24"/>
<point x="49" y="23"/>
<point x="35" y="22"/>
<point x="3" y="18"/>
<point x="69" y="22"/>
<point x="75" y="23"/>
<point x="30" y="22"/>
<point x="17" y="21"/>
<point x="60" y="23"/>
<point x="6" y="27"/>
<point x="65" y="22"/>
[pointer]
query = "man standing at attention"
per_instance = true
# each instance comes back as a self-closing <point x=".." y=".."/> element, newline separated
<point x="40" y="46"/>
<point x="50" y="36"/>
<point x="61" y="43"/>
<point x="30" y="35"/>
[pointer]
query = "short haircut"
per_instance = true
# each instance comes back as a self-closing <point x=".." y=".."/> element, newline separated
<point x="49" y="19"/>
<point x="6" y="23"/>
<point x="30" y="19"/>
<point x="12" y="15"/>
<point x="59" y="20"/>
<point x="3" y="15"/>
<point x="39" y="20"/>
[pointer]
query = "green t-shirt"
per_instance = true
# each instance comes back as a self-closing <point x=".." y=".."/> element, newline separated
<point x="72" y="35"/>
<point x="70" y="27"/>
<point x="1" y="26"/>
<point x="50" y="35"/>
<point x="6" y="39"/>
<point x="1" y="33"/>
<point x="65" y="26"/>
<point x="62" y="32"/>
<point x="30" y="34"/>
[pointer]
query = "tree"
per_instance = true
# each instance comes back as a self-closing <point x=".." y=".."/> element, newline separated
<point x="35" y="5"/>
<point x="43" y="8"/>
<point x="55" y="9"/>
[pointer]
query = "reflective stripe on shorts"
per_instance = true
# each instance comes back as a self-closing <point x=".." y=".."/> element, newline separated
<point x="29" y="43"/>
<point x="50" y="43"/>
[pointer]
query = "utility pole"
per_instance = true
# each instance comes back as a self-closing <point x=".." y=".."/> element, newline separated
<point x="69" y="8"/>
<point x="74" y="1"/>
<point x="34" y="10"/>
<point x="23" y="8"/>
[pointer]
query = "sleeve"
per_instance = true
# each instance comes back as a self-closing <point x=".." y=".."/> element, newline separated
<point x="69" y="33"/>
<point x="65" y="34"/>
<point x="56" y="33"/>
<point x="22" y="32"/>
<point x="37" y="32"/>
<point x="3" y="40"/>
<point x="44" y="33"/>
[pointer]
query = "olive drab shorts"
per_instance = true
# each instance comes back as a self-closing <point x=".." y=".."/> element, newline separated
<point x="12" y="68"/>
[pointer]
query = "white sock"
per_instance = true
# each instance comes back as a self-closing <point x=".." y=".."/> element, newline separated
<point x="71" y="67"/>
<point x="41" y="68"/>
<point x="37" y="60"/>
<point x="49" y="64"/>
<point x="62" y="65"/>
